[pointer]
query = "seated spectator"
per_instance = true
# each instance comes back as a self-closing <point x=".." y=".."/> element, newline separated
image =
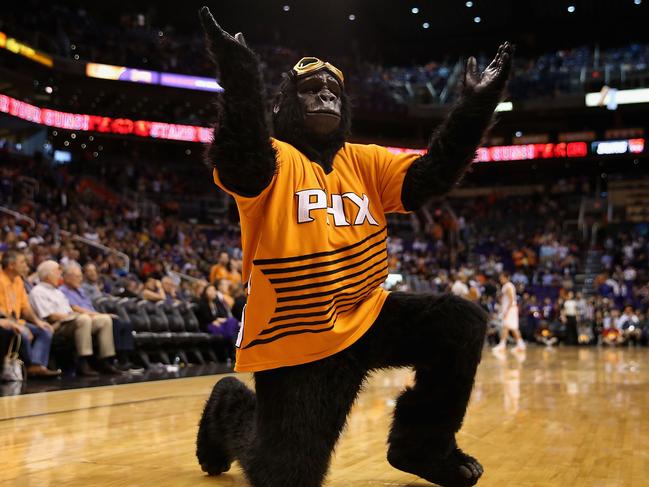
<point x="224" y="287"/>
<point x="129" y="287"/>
<point x="197" y="289"/>
<point x="215" y="318"/>
<point x="170" y="289"/>
<point x="81" y="303"/>
<point x="220" y="269"/>
<point x="611" y="335"/>
<point x="14" y="304"/>
<point x="50" y="304"/>
<point x="629" y="326"/>
<point x="92" y="285"/>
<point x="153" y="290"/>
<point x="460" y="287"/>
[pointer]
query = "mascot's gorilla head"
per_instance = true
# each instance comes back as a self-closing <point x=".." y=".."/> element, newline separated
<point x="311" y="110"/>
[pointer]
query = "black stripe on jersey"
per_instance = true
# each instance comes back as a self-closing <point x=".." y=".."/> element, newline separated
<point x="317" y="254"/>
<point x="284" y="270"/>
<point x="326" y="273"/>
<point x="266" y="331"/>
<point x="260" y="341"/>
<point x="329" y="292"/>
<point x="312" y="285"/>
<point x="374" y="283"/>
<point x="332" y="312"/>
<point x="334" y="303"/>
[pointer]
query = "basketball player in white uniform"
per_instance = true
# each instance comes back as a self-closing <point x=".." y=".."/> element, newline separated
<point x="509" y="314"/>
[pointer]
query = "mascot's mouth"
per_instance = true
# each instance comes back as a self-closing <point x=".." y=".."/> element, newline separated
<point x="329" y="113"/>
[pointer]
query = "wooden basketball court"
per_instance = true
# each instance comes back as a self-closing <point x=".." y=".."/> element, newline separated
<point x="566" y="417"/>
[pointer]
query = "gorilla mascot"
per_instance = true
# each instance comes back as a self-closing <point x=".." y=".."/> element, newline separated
<point x="317" y="320"/>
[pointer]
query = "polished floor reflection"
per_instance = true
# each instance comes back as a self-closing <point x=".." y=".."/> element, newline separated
<point x="549" y="417"/>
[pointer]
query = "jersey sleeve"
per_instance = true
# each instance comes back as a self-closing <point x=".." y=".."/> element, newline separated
<point x="389" y="170"/>
<point x="254" y="206"/>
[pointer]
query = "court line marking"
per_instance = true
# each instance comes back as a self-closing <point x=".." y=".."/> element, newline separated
<point x="163" y="398"/>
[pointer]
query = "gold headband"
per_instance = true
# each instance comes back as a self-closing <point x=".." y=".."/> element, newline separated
<point x="308" y="65"/>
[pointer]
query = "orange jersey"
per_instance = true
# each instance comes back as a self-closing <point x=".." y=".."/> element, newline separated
<point x="314" y="253"/>
<point x="13" y="297"/>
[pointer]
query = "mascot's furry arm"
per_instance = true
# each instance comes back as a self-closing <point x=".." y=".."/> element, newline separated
<point x="241" y="150"/>
<point x="453" y="145"/>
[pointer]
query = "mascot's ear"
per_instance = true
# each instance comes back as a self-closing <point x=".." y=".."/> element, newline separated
<point x="240" y="39"/>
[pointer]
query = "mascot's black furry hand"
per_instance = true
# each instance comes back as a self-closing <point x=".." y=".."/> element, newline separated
<point x="241" y="150"/>
<point x="225" y="48"/>
<point x="493" y="79"/>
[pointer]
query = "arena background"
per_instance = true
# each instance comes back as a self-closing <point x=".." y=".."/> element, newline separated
<point x="105" y="109"/>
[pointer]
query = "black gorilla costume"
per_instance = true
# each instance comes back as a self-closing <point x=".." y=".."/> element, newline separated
<point x="284" y="433"/>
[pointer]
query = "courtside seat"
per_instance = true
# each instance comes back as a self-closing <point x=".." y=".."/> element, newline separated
<point x="137" y="316"/>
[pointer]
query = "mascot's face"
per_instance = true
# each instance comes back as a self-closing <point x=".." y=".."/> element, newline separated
<point x="319" y="95"/>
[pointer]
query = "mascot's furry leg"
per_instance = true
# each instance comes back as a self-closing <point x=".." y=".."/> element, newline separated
<point x="226" y="426"/>
<point x="285" y="435"/>
<point x="442" y="337"/>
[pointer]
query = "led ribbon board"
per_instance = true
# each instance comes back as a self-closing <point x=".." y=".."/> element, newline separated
<point x="97" y="123"/>
<point x="193" y="133"/>
<point x="560" y="150"/>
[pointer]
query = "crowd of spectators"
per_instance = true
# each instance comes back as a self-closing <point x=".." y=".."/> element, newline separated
<point x="527" y="237"/>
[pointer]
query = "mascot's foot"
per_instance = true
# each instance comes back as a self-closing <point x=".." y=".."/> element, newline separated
<point x="218" y="431"/>
<point x="454" y="469"/>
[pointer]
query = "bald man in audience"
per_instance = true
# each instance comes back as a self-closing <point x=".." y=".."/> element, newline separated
<point x="52" y="305"/>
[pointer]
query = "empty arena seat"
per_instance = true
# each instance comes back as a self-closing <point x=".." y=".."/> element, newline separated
<point x="137" y="316"/>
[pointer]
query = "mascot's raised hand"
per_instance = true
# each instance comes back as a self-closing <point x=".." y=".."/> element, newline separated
<point x="241" y="151"/>
<point x="493" y="78"/>
<point x="224" y="47"/>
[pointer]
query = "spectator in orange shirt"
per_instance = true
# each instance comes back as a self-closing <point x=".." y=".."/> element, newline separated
<point x="14" y="304"/>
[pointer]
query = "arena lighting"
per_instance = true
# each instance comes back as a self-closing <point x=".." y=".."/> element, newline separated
<point x="505" y="106"/>
<point x="414" y="10"/>
<point x="97" y="123"/>
<point x="621" y="97"/>
<point x="17" y="47"/>
<point x="122" y="73"/>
